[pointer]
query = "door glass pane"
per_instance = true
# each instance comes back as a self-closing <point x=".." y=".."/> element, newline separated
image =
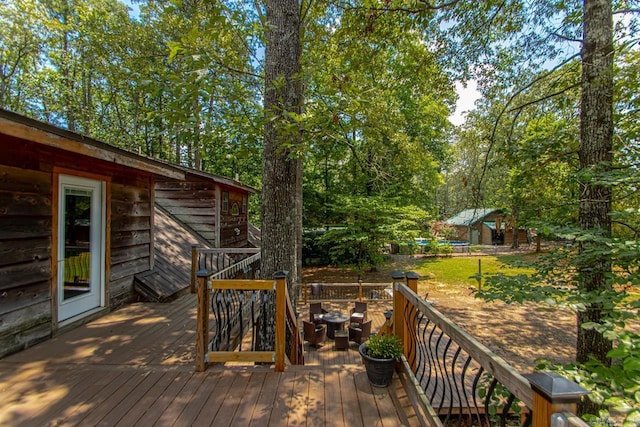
<point x="77" y="242"/>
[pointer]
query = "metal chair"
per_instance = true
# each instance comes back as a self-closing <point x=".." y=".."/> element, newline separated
<point x="359" y="313"/>
<point x="315" y="312"/>
<point x="315" y="334"/>
<point x="360" y="332"/>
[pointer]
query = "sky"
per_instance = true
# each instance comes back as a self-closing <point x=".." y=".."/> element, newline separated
<point x="466" y="98"/>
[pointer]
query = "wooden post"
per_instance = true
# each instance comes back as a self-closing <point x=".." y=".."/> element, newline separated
<point x="202" y="320"/>
<point x="306" y="293"/>
<point x="552" y="394"/>
<point x="387" y="328"/>
<point x="360" y="290"/>
<point x="479" y="274"/>
<point x="411" y="325"/>
<point x="281" y="311"/>
<point x="194" y="267"/>
<point x="398" y="306"/>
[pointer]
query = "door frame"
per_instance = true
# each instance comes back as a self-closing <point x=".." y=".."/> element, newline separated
<point x="55" y="242"/>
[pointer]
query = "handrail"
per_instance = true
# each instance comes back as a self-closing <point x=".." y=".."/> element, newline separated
<point x="206" y="350"/>
<point x="451" y="375"/>
<point x="225" y="260"/>
<point x="296" y="351"/>
<point x="346" y="291"/>
<point x="491" y="362"/>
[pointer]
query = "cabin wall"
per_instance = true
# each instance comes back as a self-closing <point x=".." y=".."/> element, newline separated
<point x="191" y="202"/>
<point x="131" y="235"/>
<point x="234" y="231"/>
<point x="197" y="204"/>
<point x="26" y="230"/>
<point x="25" y="258"/>
<point x="522" y="236"/>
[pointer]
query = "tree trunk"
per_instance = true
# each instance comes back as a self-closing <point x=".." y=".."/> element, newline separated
<point x="281" y="160"/>
<point x="515" y="235"/>
<point x="596" y="133"/>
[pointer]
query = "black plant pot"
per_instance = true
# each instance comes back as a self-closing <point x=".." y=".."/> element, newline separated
<point x="379" y="371"/>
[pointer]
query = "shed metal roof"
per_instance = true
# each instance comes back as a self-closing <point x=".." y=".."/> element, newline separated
<point x="469" y="217"/>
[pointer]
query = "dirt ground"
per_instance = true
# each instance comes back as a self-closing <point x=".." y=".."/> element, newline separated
<point x="520" y="334"/>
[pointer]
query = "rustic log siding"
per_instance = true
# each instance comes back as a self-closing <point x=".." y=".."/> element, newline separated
<point x="230" y="224"/>
<point x="192" y="202"/>
<point x="131" y="247"/>
<point x="25" y="256"/>
<point x="26" y="227"/>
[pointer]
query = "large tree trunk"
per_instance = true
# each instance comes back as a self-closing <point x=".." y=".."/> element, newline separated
<point x="596" y="133"/>
<point x="281" y="160"/>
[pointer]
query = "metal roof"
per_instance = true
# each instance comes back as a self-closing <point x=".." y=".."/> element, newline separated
<point x="470" y="216"/>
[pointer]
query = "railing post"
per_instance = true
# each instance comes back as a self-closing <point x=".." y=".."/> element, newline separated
<point x="411" y="324"/>
<point x="281" y="311"/>
<point x="360" y="290"/>
<point x="194" y="267"/>
<point x="398" y="306"/>
<point x="202" y="320"/>
<point x="552" y="394"/>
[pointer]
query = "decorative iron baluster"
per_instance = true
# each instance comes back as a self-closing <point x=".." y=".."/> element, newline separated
<point x="438" y="368"/>
<point x="505" y="410"/>
<point x="463" y="376"/>
<point x="431" y="359"/>
<point x="455" y="384"/>
<point x="487" y="398"/>
<point x="421" y="356"/>
<point x="241" y="313"/>
<point x="446" y="382"/>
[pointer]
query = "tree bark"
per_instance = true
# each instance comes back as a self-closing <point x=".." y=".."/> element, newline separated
<point x="281" y="160"/>
<point x="595" y="152"/>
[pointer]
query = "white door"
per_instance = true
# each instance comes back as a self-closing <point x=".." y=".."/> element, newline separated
<point x="81" y="254"/>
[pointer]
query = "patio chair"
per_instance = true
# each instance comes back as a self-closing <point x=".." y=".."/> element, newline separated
<point x="315" y="334"/>
<point x="360" y="332"/>
<point x="359" y="313"/>
<point x="315" y="312"/>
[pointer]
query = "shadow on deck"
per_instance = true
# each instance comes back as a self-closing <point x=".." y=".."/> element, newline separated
<point x="136" y="367"/>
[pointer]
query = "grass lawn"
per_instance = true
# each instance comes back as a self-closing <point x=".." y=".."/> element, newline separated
<point x="461" y="271"/>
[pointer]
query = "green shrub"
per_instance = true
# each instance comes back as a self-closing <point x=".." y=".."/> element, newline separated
<point x="384" y="347"/>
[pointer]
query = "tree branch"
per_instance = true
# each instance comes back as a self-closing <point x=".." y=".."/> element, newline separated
<point x="544" y="98"/>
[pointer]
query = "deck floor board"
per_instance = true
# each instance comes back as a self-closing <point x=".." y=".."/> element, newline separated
<point x="135" y="366"/>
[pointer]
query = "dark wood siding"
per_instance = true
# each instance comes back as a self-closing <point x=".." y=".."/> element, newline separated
<point x="192" y="202"/>
<point x="26" y="230"/>
<point x="25" y="257"/>
<point x="131" y="236"/>
<point x="233" y="227"/>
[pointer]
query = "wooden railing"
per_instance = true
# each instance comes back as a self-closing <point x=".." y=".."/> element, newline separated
<point x="236" y="305"/>
<point x="227" y="263"/>
<point x="345" y="292"/>
<point x="456" y="380"/>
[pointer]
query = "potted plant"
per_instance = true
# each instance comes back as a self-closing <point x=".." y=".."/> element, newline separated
<point x="379" y="355"/>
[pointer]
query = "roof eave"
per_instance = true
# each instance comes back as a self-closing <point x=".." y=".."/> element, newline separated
<point x="22" y="127"/>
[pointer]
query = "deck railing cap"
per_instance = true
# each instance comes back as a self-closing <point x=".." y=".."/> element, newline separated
<point x="204" y="273"/>
<point x="280" y="274"/>
<point x="555" y="388"/>
<point x="397" y="275"/>
<point x="412" y="275"/>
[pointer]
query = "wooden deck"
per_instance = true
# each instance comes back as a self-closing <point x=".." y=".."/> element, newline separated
<point x="135" y="367"/>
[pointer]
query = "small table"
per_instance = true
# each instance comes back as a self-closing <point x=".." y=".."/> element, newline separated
<point x="342" y="340"/>
<point x="335" y="322"/>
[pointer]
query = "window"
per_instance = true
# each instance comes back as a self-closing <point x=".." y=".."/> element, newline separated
<point x="234" y="209"/>
<point x="244" y="204"/>
<point x="225" y="201"/>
